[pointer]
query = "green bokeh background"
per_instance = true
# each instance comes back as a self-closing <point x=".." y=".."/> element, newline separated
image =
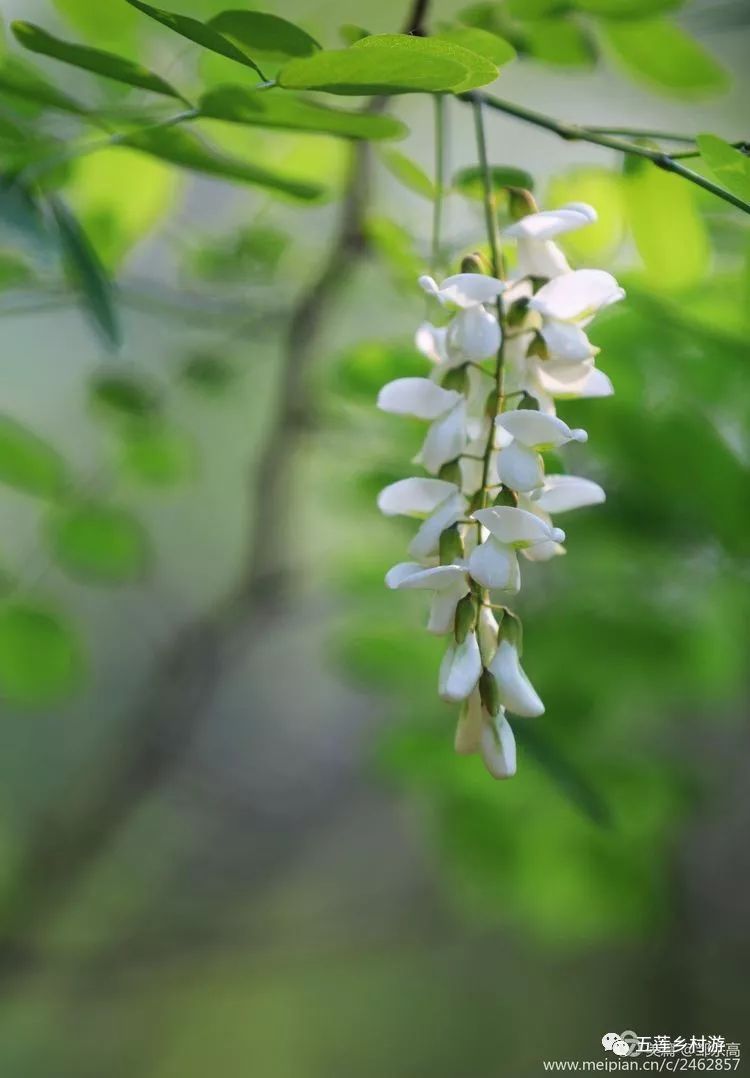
<point x="319" y="887"/>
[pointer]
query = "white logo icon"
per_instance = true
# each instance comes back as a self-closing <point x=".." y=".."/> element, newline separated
<point x="622" y="1044"/>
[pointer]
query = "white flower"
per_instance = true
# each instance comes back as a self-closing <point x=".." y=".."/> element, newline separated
<point x="494" y="563"/>
<point x="487" y="632"/>
<point x="449" y="582"/>
<point x="464" y="290"/>
<point x="548" y="380"/>
<point x="424" y="399"/>
<point x="460" y="670"/>
<point x="437" y="500"/>
<point x="523" y="434"/>
<point x="491" y="736"/>
<point x="567" y="304"/>
<point x="498" y="746"/>
<point x="560" y="494"/>
<point x="473" y="335"/>
<point x="537" y="255"/>
<point x="468" y="739"/>
<point x="517" y="694"/>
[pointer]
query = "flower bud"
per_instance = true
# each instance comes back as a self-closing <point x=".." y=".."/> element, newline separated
<point x="490" y="407"/>
<point x="450" y="545"/>
<point x="520" y="203"/>
<point x="511" y="630"/>
<point x="456" y="378"/>
<point x="517" y="311"/>
<point x="528" y="403"/>
<point x="506" y="496"/>
<point x="477" y="502"/>
<point x="466" y="617"/>
<point x="451" y="472"/>
<point x="538" y="348"/>
<point x="475" y="263"/>
<point x="489" y="693"/>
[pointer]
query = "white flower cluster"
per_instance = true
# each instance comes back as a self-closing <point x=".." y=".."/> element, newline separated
<point x="507" y="353"/>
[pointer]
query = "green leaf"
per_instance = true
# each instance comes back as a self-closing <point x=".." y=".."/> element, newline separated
<point x="185" y="149"/>
<point x="86" y="272"/>
<point x="99" y="543"/>
<point x="40" y="656"/>
<point x="282" y="110"/>
<point x="114" y="67"/>
<point x="159" y="456"/>
<point x="249" y="254"/>
<point x="349" y="33"/>
<point x="596" y="243"/>
<point x="478" y="69"/>
<point x="668" y="230"/>
<point x="20" y="81"/>
<point x="482" y="42"/>
<point x="575" y="786"/>
<point x="470" y="181"/>
<point x="199" y="32"/>
<point x="123" y="397"/>
<point x="559" y="41"/>
<point x="664" y="55"/>
<point x="208" y="374"/>
<point x="410" y="174"/>
<point x="396" y="247"/>
<point x="257" y="31"/>
<point x="14" y="270"/>
<point x="382" y="69"/>
<point x="626" y="9"/>
<point x="28" y="463"/>
<point x="730" y="167"/>
<point x="119" y="195"/>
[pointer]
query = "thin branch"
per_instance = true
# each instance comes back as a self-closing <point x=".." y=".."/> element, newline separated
<point x="575" y="133"/>
<point x="635" y="132"/>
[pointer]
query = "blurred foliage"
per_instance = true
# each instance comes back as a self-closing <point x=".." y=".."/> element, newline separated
<point x="641" y="626"/>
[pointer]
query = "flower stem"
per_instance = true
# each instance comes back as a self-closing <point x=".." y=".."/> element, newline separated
<point x="578" y="133"/>
<point x="490" y="216"/>
<point x="437" y="207"/>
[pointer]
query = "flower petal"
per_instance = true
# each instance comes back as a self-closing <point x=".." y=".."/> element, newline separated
<point x="572" y="381"/>
<point x="540" y="258"/>
<point x="414" y="497"/>
<point x="567" y="341"/>
<point x="427" y="539"/>
<point x="396" y="575"/>
<point x="418" y="397"/>
<point x="516" y="691"/>
<point x="538" y="431"/>
<point x="576" y="295"/>
<point x="431" y="342"/>
<point x="487" y="630"/>
<point x="562" y="493"/>
<point x="466" y="289"/>
<point x="520" y="468"/>
<point x="516" y="527"/>
<point x="543" y="551"/>
<point x="495" y="566"/>
<point x="498" y="747"/>
<point x="460" y="670"/>
<point x="446" y="439"/>
<point x="473" y="335"/>
<point x="469" y="729"/>
<point x="444" y="602"/>
<point x="548" y="223"/>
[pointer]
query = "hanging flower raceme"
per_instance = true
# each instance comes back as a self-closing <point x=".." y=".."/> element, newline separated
<point x="488" y="500"/>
